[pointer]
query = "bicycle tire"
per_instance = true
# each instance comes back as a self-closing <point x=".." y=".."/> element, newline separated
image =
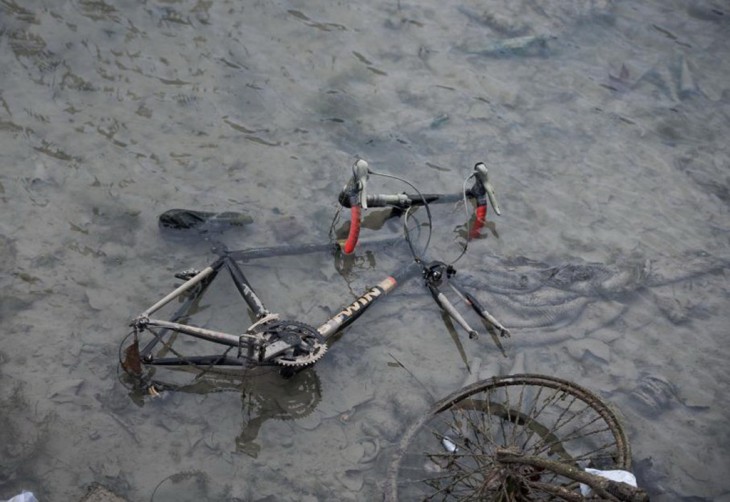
<point x="449" y="453"/>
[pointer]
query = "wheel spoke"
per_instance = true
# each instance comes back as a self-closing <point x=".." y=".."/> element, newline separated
<point x="528" y="415"/>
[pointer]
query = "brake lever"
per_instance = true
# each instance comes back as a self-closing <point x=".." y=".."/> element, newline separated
<point x="354" y="192"/>
<point x="354" y="196"/>
<point x="360" y="175"/>
<point x="482" y="191"/>
<point x="482" y="174"/>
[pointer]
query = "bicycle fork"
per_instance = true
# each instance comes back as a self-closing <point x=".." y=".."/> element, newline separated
<point x="438" y="273"/>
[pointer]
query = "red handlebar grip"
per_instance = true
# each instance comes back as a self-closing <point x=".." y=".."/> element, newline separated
<point x="351" y="242"/>
<point x="481" y="218"/>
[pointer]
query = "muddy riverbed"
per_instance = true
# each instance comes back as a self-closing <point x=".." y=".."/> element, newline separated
<point x="604" y="125"/>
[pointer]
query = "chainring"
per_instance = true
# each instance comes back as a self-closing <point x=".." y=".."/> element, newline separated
<point x="307" y="345"/>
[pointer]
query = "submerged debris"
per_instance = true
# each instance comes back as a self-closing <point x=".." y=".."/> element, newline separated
<point x="185" y="219"/>
<point x="131" y="362"/>
<point x="529" y="45"/>
<point x="449" y="445"/>
<point x="523" y="17"/>
<point x="99" y="493"/>
<point x="687" y="85"/>
<point x="653" y="395"/>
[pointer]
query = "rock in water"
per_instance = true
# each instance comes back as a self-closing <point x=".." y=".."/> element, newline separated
<point x="99" y="493"/>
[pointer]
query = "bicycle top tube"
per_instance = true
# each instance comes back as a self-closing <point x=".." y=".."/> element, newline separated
<point x="295" y="249"/>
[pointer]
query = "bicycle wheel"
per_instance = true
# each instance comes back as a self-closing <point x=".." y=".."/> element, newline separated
<point x="450" y="452"/>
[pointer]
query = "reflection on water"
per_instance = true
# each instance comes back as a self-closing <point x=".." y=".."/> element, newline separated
<point x="603" y="123"/>
<point x="264" y="395"/>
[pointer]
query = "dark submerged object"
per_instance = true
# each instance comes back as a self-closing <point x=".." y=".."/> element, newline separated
<point x="185" y="219"/>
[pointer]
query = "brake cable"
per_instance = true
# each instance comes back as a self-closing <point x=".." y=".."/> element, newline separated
<point x="416" y="258"/>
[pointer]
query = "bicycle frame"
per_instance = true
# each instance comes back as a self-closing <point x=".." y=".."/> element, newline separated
<point x="247" y="342"/>
<point x="294" y="344"/>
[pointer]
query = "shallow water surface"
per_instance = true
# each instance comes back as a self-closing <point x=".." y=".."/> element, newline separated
<point x="604" y="126"/>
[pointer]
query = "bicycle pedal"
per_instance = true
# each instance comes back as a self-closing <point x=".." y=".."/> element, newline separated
<point x="187" y="274"/>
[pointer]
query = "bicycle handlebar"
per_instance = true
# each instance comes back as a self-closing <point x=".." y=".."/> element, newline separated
<point x="354" y="234"/>
<point x="483" y="190"/>
<point x="482" y="174"/>
<point x="355" y="197"/>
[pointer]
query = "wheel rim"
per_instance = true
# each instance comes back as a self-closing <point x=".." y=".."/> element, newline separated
<point x="449" y="453"/>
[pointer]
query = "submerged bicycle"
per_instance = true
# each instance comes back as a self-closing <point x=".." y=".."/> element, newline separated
<point x="523" y="437"/>
<point x="293" y="344"/>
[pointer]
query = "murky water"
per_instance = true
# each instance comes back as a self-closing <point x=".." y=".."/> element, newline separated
<point x="604" y="125"/>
